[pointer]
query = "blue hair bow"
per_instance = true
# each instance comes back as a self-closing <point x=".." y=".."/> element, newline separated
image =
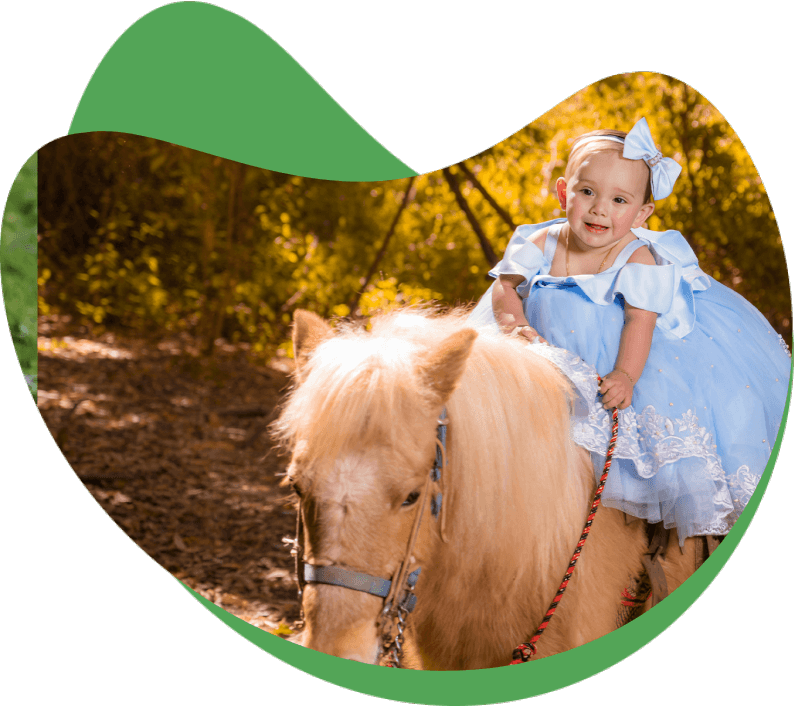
<point x="638" y="144"/>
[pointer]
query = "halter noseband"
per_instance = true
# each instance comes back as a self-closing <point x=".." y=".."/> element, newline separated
<point x="358" y="581"/>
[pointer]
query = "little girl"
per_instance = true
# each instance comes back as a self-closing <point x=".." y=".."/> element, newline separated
<point x="698" y="374"/>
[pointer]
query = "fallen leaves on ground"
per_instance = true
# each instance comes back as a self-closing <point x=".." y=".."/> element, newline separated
<point x="175" y="448"/>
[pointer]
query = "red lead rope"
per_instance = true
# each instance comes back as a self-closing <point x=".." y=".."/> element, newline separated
<point x="525" y="651"/>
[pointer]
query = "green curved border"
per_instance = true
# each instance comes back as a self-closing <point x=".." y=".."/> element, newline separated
<point x="160" y="81"/>
<point x="207" y="79"/>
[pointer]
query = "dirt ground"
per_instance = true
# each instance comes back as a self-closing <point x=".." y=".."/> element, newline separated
<point x="175" y="448"/>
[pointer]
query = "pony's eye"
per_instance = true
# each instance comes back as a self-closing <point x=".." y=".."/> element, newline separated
<point x="411" y="499"/>
<point x="295" y="487"/>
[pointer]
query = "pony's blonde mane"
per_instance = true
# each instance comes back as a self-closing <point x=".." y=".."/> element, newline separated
<point x="512" y="458"/>
<point x="510" y="453"/>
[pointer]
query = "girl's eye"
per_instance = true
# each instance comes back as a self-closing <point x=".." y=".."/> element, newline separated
<point x="619" y="200"/>
<point x="587" y="191"/>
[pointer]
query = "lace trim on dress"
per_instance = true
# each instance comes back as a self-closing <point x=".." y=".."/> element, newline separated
<point x="651" y="440"/>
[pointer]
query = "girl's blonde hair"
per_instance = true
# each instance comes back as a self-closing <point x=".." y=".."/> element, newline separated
<point x="585" y="145"/>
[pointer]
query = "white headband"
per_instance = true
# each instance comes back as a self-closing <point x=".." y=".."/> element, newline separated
<point x="596" y="138"/>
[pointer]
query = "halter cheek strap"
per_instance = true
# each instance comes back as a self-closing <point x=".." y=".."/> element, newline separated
<point x="438" y="475"/>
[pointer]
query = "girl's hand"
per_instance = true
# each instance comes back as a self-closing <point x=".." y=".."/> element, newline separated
<point x="531" y="334"/>
<point x="616" y="389"/>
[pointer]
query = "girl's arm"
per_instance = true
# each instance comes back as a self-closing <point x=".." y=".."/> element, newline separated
<point x="633" y="349"/>
<point x="507" y="306"/>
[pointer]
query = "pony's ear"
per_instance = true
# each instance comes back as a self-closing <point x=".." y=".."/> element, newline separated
<point x="444" y="366"/>
<point x="309" y="331"/>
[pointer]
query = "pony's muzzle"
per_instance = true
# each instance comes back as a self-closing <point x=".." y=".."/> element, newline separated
<point x="342" y="623"/>
<point x="359" y="643"/>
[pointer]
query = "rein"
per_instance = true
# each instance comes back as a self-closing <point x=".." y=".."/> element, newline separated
<point x="525" y="651"/>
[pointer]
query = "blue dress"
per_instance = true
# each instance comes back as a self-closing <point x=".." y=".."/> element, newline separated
<point x="706" y="411"/>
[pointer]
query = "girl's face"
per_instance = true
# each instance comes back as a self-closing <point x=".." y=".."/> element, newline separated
<point x="603" y="199"/>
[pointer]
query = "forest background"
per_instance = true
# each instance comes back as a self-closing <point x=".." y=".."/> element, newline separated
<point x="141" y="235"/>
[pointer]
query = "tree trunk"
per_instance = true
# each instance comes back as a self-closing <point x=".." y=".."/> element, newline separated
<point x="216" y="323"/>
<point x="488" y="251"/>
<point x="364" y="281"/>
<point x="501" y="212"/>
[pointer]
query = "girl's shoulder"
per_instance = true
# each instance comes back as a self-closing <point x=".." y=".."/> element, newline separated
<point x="536" y="233"/>
<point x="539" y="237"/>
<point x="668" y="246"/>
<point x="642" y="256"/>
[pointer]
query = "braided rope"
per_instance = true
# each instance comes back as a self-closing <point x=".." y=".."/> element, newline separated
<point x="525" y="651"/>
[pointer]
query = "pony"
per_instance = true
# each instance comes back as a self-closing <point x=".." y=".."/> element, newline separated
<point x="360" y="425"/>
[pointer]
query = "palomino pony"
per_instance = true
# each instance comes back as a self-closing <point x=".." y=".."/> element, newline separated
<point x="361" y="426"/>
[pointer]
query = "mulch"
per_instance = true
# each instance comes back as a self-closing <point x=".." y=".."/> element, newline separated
<point x="175" y="448"/>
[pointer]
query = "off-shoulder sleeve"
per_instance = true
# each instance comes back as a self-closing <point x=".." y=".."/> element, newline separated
<point x="649" y="287"/>
<point x="677" y="275"/>
<point x="670" y="247"/>
<point x="523" y="257"/>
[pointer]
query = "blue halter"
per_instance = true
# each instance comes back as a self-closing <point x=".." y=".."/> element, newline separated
<point x="438" y="462"/>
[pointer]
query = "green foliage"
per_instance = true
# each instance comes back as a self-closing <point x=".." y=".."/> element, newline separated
<point x="18" y="268"/>
<point x="388" y="294"/>
<point x="153" y="236"/>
